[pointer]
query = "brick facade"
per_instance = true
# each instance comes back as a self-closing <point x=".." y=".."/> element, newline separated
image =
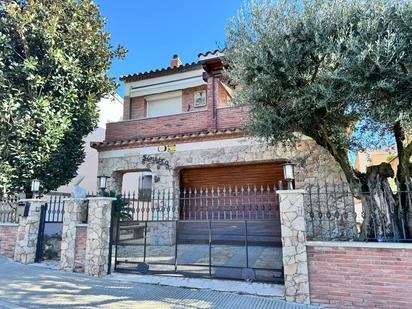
<point x="138" y="108"/>
<point x="354" y="277"/>
<point x="231" y="117"/>
<point x="8" y="237"/>
<point x="188" y="96"/>
<point x="80" y="251"/>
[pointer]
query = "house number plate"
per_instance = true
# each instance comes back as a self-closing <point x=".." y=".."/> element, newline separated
<point x="167" y="148"/>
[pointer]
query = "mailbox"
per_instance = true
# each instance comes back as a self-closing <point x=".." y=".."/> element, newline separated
<point x="23" y="209"/>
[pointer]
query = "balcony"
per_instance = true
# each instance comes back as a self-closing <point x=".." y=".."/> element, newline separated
<point x="228" y="117"/>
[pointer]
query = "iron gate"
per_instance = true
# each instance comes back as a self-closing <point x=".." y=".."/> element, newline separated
<point x="230" y="233"/>
<point x="50" y="228"/>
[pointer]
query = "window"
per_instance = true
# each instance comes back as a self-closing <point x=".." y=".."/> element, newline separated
<point x="164" y="104"/>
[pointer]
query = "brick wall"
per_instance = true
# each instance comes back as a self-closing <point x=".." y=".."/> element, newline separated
<point x="8" y="237"/>
<point x="126" y="107"/>
<point x="80" y="251"/>
<point x="355" y="277"/>
<point x="164" y="125"/>
<point x="231" y="117"/>
<point x="223" y="97"/>
<point x="188" y="96"/>
<point x="138" y="108"/>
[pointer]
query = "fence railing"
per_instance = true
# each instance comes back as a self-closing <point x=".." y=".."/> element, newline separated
<point x="55" y="207"/>
<point x="333" y="212"/>
<point x="8" y="209"/>
<point x="225" y="203"/>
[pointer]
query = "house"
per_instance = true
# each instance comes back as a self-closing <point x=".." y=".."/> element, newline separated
<point x="111" y="109"/>
<point x="181" y="133"/>
<point x="376" y="156"/>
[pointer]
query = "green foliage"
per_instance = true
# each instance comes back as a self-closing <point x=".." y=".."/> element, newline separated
<point x="121" y="209"/>
<point x="331" y="70"/>
<point x="54" y="58"/>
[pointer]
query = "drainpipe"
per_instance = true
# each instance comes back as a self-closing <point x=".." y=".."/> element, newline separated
<point x="214" y="101"/>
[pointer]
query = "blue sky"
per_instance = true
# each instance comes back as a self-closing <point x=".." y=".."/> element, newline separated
<point x="154" y="30"/>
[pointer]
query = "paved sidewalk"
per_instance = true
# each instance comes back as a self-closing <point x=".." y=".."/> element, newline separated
<point x="36" y="287"/>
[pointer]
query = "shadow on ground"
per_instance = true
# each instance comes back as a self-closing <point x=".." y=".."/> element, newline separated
<point x="38" y="287"/>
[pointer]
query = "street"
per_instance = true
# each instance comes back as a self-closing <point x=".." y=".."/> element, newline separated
<point x="23" y="286"/>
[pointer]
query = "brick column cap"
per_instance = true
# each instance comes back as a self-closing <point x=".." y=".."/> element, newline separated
<point x="299" y="191"/>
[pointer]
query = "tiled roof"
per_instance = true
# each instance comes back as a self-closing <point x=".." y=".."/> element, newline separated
<point x="210" y="52"/>
<point x="157" y="139"/>
<point x="160" y="72"/>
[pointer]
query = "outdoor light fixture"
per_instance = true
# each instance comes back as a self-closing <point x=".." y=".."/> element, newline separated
<point x="102" y="182"/>
<point x="35" y="187"/>
<point x="289" y="174"/>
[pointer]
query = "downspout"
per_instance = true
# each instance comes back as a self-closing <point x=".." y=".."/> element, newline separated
<point x="214" y="101"/>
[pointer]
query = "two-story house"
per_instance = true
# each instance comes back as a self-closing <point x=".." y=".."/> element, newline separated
<point x="180" y="132"/>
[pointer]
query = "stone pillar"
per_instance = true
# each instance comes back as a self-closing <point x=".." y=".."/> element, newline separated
<point x="294" y="246"/>
<point x="115" y="182"/>
<point x="98" y="236"/>
<point x="28" y="232"/>
<point x="72" y="217"/>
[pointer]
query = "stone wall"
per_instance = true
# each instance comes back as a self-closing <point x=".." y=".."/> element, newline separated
<point x="80" y="248"/>
<point x="8" y="237"/>
<point x="27" y="233"/>
<point x="294" y="246"/>
<point x="98" y="236"/>
<point x="360" y="275"/>
<point x="313" y="162"/>
<point x="73" y="210"/>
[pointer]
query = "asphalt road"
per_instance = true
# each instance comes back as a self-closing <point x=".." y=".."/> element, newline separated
<point x="31" y="286"/>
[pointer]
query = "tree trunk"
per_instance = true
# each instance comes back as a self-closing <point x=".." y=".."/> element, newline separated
<point x="404" y="151"/>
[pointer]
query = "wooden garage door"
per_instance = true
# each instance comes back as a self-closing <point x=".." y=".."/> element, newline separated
<point x="230" y="176"/>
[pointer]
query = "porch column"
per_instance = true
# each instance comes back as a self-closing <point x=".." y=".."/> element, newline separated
<point x="98" y="236"/>
<point x="72" y="216"/>
<point x="28" y="232"/>
<point x="294" y="246"/>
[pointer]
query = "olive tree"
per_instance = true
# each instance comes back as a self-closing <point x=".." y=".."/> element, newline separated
<point x="337" y="71"/>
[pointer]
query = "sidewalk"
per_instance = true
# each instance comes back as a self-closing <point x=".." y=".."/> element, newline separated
<point x="36" y="287"/>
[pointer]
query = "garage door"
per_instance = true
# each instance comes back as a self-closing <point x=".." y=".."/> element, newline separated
<point x="266" y="174"/>
<point x="228" y="197"/>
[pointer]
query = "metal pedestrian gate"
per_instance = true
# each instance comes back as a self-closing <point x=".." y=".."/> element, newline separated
<point x="210" y="234"/>
<point x="50" y="229"/>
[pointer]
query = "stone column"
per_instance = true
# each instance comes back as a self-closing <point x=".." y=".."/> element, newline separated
<point x="28" y="232"/>
<point x="98" y="236"/>
<point x="294" y="246"/>
<point x="72" y="217"/>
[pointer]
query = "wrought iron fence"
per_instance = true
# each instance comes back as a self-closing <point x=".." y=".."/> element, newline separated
<point x="153" y="205"/>
<point x="225" y="203"/>
<point x="55" y="208"/>
<point x="8" y="209"/>
<point x="334" y="212"/>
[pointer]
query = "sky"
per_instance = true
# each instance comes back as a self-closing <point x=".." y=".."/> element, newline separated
<point x="154" y="30"/>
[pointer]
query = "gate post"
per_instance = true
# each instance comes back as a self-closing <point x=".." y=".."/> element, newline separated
<point x="72" y="217"/>
<point x="98" y="236"/>
<point x="293" y="231"/>
<point x="28" y="232"/>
